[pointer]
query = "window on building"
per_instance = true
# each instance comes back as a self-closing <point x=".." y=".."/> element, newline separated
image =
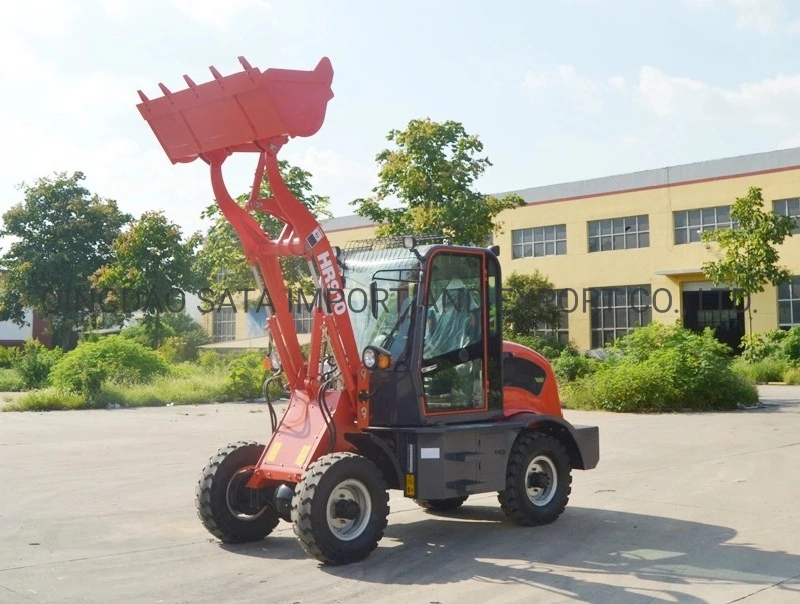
<point x="617" y="310"/>
<point x="690" y="223"/>
<point x="789" y="304"/>
<point x="539" y="241"/>
<point x="302" y="317"/>
<point x="788" y="207"/>
<point x="619" y="233"/>
<point x="561" y="333"/>
<point x="224" y="325"/>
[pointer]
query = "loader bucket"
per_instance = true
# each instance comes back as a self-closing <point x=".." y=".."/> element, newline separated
<point x="238" y="112"/>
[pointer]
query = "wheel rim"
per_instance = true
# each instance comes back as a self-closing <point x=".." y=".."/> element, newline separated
<point x="235" y="494"/>
<point x="349" y="492"/>
<point x="544" y="471"/>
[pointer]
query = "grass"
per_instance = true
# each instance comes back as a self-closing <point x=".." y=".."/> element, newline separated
<point x="761" y="372"/>
<point x="47" y="399"/>
<point x="792" y="376"/>
<point x="185" y="385"/>
<point x="202" y="387"/>
<point x="10" y="381"/>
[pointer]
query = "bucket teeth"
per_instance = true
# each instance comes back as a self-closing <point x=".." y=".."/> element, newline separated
<point x="248" y="111"/>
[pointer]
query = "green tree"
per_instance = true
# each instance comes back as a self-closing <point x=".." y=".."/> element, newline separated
<point x="221" y="262"/>
<point x="432" y="173"/>
<point x="62" y="234"/>
<point x="748" y="255"/>
<point x="153" y="266"/>
<point x="529" y="302"/>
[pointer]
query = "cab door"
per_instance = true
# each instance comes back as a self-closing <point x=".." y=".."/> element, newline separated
<point x="459" y="377"/>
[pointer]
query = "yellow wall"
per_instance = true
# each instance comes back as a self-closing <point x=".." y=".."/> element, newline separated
<point x="342" y="238"/>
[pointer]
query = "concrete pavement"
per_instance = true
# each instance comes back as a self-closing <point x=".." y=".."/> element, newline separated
<point x="98" y="506"/>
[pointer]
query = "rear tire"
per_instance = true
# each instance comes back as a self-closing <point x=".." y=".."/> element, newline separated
<point x="340" y="508"/>
<point x="441" y="505"/>
<point x="225" y="506"/>
<point x="538" y="480"/>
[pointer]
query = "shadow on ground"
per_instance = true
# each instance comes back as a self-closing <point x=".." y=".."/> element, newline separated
<point x="574" y="556"/>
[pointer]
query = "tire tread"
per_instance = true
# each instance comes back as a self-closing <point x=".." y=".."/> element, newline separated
<point x="511" y="501"/>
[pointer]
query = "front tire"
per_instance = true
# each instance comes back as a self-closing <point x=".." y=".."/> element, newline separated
<point x="340" y="508"/>
<point x="538" y="480"/>
<point x="225" y="506"/>
<point x="441" y="505"/>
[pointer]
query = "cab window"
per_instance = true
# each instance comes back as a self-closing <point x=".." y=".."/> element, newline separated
<point x="453" y="375"/>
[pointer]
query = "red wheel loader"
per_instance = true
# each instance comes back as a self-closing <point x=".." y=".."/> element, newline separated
<point x="407" y="383"/>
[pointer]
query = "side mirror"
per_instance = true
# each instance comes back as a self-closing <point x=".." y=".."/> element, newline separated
<point x="373" y="299"/>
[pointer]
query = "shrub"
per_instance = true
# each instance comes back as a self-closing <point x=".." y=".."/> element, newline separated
<point x="8" y="356"/>
<point x="568" y="366"/>
<point x="663" y="368"/>
<point x="210" y="359"/>
<point x="792" y="376"/>
<point x="188" y="336"/>
<point x="175" y="349"/>
<point x="10" y="381"/>
<point x="790" y="345"/>
<point x="759" y="346"/>
<point x="150" y="334"/>
<point x="115" y="358"/>
<point x="548" y="346"/>
<point x="245" y="377"/>
<point x="35" y="362"/>
<point x="177" y="336"/>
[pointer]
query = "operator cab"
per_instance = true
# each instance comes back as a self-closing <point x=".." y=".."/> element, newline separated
<point x="430" y="330"/>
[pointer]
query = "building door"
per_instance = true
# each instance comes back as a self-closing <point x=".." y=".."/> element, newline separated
<point x="706" y="306"/>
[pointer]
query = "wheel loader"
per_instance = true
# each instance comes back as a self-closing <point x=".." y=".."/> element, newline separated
<point x="407" y="384"/>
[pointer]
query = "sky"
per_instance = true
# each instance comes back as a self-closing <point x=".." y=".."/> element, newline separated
<point x="557" y="90"/>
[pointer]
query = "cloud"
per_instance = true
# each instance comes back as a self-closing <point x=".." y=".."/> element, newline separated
<point x="770" y="102"/>
<point x="50" y="18"/>
<point x="219" y="14"/>
<point x="764" y="16"/>
<point x="342" y="179"/>
<point x="584" y="93"/>
<point x="767" y="17"/>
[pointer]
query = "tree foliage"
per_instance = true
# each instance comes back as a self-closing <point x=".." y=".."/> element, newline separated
<point x="63" y="234"/>
<point x="529" y="303"/>
<point x="432" y="173"/>
<point x="152" y="262"/>
<point x="221" y="262"/>
<point x="748" y="256"/>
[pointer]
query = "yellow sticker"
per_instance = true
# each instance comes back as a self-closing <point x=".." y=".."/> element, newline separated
<point x="301" y="457"/>
<point x="273" y="451"/>
<point x="411" y="486"/>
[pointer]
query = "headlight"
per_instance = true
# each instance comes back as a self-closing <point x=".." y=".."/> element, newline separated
<point x="369" y="358"/>
<point x="275" y="360"/>
<point x="376" y="358"/>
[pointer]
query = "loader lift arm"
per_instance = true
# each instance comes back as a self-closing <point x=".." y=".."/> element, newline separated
<point x="301" y="228"/>
<point x="256" y="111"/>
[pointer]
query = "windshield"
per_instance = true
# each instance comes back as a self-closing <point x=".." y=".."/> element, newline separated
<point x="387" y="280"/>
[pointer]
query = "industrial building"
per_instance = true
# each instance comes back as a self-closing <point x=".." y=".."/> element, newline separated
<point x="625" y="250"/>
